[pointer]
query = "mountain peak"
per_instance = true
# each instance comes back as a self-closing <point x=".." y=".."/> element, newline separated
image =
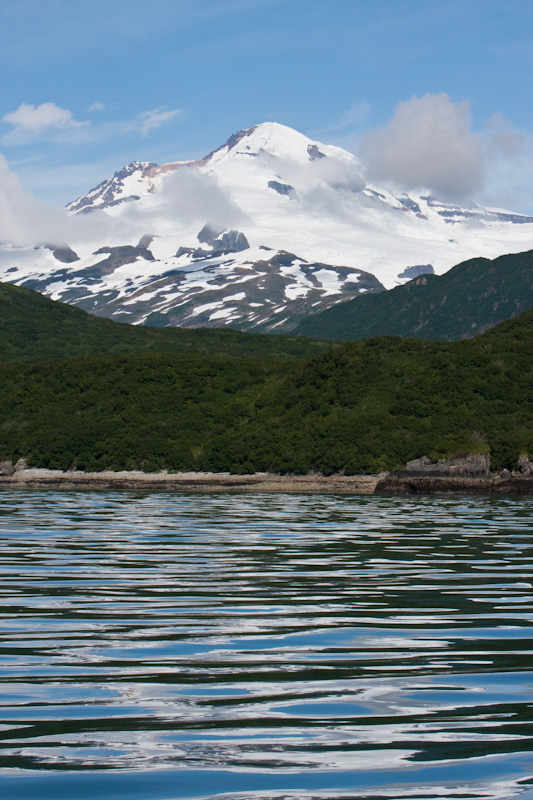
<point x="133" y="167"/>
<point x="269" y="226"/>
<point x="271" y="138"/>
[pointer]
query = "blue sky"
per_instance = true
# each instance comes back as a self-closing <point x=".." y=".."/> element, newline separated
<point x="89" y="86"/>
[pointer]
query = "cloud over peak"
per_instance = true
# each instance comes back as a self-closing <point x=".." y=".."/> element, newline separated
<point x="428" y="144"/>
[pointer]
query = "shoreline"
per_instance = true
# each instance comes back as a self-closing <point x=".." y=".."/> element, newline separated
<point x="385" y="484"/>
<point x="190" y="482"/>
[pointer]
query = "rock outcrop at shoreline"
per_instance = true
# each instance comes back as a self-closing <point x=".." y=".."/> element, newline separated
<point x="467" y="466"/>
<point x="466" y="474"/>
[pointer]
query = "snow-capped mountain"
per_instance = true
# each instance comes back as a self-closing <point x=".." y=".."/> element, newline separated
<point x="264" y="230"/>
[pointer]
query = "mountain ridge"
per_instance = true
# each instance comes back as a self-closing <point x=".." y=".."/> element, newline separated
<point x="34" y="327"/>
<point x="283" y="194"/>
<point x="467" y="300"/>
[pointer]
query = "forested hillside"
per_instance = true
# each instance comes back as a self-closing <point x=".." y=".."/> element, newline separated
<point x="358" y="408"/>
<point x="34" y="327"/>
<point x="464" y="302"/>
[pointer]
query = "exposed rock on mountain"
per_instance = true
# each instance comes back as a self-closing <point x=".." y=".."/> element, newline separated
<point x="64" y="254"/>
<point x="415" y="271"/>
<point x="223" y="242"/>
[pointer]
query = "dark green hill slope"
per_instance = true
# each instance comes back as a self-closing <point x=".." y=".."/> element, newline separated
<point x="465" y="301"/>
<point x="33" y="326"/>
<point x="360" y="407"/>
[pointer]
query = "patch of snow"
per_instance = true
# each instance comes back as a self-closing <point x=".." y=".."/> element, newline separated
<point x="239" y="296"/>
<point x="295" y="290"/>
<point x="205" y="307"/>
<point x="142" y="298"/>
<point x="224" y="312"/>
<point x="277" y="324"/>
<point x="330" y="280"/>
<point x="353" y="277"/>
<point x="55" y="289"/>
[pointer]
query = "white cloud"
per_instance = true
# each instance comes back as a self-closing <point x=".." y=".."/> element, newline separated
<point x="502" y="138"/>
<point x="151" y="120"/>
<point x="509" y="160"/>
<point x="25" y="221"/>
<point x="192" y="196"/>
<point x="428" y="145"/>
<point x="186" y="196"/>
<point x="49" y="121"/>
<point x="34" y="122"/>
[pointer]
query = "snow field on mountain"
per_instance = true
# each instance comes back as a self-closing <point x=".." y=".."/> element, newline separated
<point x="286" y="194"/>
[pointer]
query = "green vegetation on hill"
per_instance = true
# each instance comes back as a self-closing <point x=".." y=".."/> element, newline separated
<point x="465" y="301"/>
<point x="359" y="407"/>
<point x="33" y="326"/>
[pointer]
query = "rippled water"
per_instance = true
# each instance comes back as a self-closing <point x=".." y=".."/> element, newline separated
<point x="265" y="646"/>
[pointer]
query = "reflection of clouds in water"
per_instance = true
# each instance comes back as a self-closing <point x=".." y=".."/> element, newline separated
<point x="184" y="740"/>
<point x="242" y="633"/>
<point x="454" y="790"/>
<point x="149" y="750"/>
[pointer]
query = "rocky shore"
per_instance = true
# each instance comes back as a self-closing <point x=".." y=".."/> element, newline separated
<point x="462" y="475"/>
<point x="469" y="474"/>
<point x="23" y="478"/>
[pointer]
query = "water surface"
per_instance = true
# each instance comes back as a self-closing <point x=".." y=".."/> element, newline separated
<point x="158" y="646"/>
